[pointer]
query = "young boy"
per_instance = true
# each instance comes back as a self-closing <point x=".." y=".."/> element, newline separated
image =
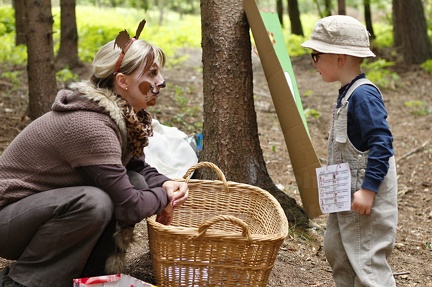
<point x="357" y="243"/>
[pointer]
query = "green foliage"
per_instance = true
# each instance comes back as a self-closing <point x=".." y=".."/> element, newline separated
<point x="65" y="76"/>
<point x="175" y="33"/>
<point x="377" y="71"/>
<point x="13" y="77"/>
<point x="427" y="66"/>
<point x="293" y="41"/>
<point x="93" y="32"/>
<point x="10" y="54"/>
<point x="384" y="38"/>
<point x="312" y="113"/>
<point x="418" y="108"/>
<point x="7" y="22"/>
<point x="308" y="93"/>
<point x="293" y="45"/>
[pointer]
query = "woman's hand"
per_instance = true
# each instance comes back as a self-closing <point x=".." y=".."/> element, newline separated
<point x="167" y="215"/>
<point x="178" y="192"/>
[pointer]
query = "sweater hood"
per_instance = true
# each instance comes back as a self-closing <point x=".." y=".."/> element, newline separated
<point x="84" y="96"/>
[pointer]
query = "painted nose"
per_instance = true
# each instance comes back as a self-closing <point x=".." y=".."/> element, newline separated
<point x="162" y="85"/>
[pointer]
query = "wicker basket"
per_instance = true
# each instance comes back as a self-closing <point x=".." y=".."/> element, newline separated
<point x="226" y="234"/>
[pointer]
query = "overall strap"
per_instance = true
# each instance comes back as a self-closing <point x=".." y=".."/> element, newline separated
<point x="355" y="85"/>
<point x="341" y="118"/>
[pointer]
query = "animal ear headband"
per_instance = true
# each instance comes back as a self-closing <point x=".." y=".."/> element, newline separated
<point x="124" y="41"/>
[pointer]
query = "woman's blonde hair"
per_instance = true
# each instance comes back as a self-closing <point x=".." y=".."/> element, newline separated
<point x="139" y="53"/>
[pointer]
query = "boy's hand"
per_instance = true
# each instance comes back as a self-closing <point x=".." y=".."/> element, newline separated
<point x="363" y="201"/>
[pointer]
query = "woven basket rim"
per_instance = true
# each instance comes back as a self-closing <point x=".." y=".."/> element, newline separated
<point x="192" y="232"/>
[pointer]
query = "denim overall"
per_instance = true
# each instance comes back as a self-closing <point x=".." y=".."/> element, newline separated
<point x="357" y="246"/>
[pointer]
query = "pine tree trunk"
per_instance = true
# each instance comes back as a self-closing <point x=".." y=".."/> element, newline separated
<point x="279" y="9"/>
<point x="294" y="16"/>
<point x="68" y="52"/>
<point x="19" y="8"/>
<point x="230" y="124"/>
<point x="40" y="65"/>
<point x="368" y="18"/>
<point x="410" y="31"/>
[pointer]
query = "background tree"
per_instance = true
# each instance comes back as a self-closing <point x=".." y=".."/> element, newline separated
<point x="368" y="18"/>
<point x="327" y="8"/>
<point x="294" y="16"/>
<point x="279" y="10"/>
<point x="40" y="64"/>
<point x="410" y="31"/>
<point x="230" y="126"/>
<point x="341" y="7"/>
<point x="19" y="10"/>
<point x="328" y="4"/>
<point x="68" y="52"/>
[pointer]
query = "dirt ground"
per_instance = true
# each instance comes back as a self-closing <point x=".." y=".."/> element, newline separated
<point x="301" y="260"/>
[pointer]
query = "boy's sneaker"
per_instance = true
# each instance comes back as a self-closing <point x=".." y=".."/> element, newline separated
<point x="6" y="281"/>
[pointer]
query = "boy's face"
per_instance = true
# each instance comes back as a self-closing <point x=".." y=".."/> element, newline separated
<point x="327" y="65"/>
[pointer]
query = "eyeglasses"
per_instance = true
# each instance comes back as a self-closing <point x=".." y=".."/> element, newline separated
<point x="316" y="57"/>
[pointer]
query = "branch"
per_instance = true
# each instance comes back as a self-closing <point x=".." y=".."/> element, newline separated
<point x="408" y="154"/>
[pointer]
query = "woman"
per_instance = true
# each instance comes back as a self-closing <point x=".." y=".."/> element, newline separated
<point x="77" y="174"/>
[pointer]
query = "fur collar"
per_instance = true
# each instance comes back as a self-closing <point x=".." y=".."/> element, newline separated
<point x="106" y="99"/>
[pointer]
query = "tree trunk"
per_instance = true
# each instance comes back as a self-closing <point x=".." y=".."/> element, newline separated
<point x="68" y="52"/>
<point x="320" y="13"/>
<point x="19" y="8"/>
<point x="341" y="7"/>
<point x="40" y="64"/>
<point x="294" y="16"/>
<point x="279" y="9"/>
<point x="328" y="7"/>
<point x="368" y="18"/>
<point x="410" y="31"/>
<point x="230" y="124"/>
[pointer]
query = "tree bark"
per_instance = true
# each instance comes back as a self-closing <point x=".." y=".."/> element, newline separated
<point x="410" y="31"/>
<point x="341" y="7"/>
<point x="40" y="64"/>
<point x="19" y="8"/>
<point x="294" y="16"/>
<point x="279" y="9"/>
<point x="68" y="52"/>
<point x="368" y="18"/>
<point x="328" y="7"/>
<point x="230" y="124"/>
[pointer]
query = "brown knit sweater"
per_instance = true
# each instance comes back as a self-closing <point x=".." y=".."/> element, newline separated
<point x="84" y="129"/>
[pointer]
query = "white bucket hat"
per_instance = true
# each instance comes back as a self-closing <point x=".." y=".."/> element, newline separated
<point x="340" y="34"/>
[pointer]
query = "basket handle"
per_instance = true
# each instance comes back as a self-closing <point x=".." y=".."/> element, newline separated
<point x="202" y="229"/>
<point x="219" y="173"/>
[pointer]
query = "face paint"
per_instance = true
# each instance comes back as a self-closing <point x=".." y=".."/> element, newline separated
<point x="145" y="87"/>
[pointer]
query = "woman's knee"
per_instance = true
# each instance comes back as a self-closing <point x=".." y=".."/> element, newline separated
<point x="97" y="204"/>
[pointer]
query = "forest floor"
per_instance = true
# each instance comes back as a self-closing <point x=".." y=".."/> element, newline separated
<point x="301" y="260"/>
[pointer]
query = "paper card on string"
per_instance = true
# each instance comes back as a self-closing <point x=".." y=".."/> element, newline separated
<point x="334" y="185"/>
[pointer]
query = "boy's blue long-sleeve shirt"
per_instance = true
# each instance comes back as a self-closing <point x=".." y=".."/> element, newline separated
<point x="368" y="129"/>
